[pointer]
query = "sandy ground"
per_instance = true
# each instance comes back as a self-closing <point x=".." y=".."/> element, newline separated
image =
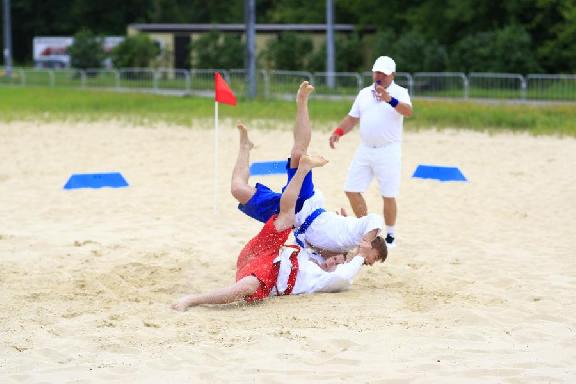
<point x="481" y="288"/>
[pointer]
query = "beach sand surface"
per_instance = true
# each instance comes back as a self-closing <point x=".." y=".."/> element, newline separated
<point x="481" y="288"/>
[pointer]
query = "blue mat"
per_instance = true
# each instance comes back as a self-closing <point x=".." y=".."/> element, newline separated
<point x="96" y="180"/>
<point x="439" y="173"/>
<point x="268" y="168"/>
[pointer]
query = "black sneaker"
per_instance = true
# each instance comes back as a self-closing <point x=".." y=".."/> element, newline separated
<point x="390" y="241"/>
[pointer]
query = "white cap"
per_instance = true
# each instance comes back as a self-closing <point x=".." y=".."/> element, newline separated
<point x="385" y="65"/>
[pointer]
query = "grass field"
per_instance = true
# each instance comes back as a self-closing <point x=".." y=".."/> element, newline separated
<point x="57" y="104"/>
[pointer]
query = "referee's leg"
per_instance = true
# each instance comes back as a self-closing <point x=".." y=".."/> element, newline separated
<point x="359" y="177"/>
<point x="390" y="211"/>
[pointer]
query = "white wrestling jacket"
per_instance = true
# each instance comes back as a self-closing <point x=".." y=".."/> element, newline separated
<point x="334" y="232"/>
<point x="310" y="278"/>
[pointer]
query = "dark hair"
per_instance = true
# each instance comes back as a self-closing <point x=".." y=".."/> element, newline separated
<point x="380" y="245"/>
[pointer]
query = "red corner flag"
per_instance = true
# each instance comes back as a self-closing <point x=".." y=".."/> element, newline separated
<point x="223" y="93"/>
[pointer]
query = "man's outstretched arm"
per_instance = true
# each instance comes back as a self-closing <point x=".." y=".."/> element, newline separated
<point x="343" y="128"/>
<point x="341" y="278"/>
<point x="244" y="287"/>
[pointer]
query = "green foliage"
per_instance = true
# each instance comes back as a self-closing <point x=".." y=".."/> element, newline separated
<point x="135" y="52"/>
<point x="412" y="51"/>
<point x="87" y="51"/>
<point x="296" y="11"/>
<point x="290" y="51"/>
<point x="218" y="50"/>
<point x="349" y="52"/>
<point x="549" y="24"/>
<point x="514" y="44"/>
<point x="195" y="11"/>
<point x="374" y="13"/>
<point x="504" y="50"/>
<point x="558" y="53"/>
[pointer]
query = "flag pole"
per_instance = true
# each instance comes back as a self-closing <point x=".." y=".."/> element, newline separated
<point x="222" y="94"/>
<point x="215" y="195"/>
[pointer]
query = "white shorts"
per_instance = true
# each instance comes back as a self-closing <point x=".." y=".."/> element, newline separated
<point x="382" y="163"/>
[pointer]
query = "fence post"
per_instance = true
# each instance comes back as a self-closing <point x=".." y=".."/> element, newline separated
<point x="410" y="84"/>
<point x="226" y="75"/>
<point x="192" y="72"/>
<point x="266" y="79"/>
<point x="359" y="81"/>
<point x="155" y="80"/>
<point x="187" y="80"/>
<point x="523" y="87"/>
<point x="466" y="86"/>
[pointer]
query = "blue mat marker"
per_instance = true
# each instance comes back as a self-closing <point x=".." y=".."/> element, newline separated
<point x="268" y="168"/>
<point x="439" y="173"/>
<point x="96" y="180"/>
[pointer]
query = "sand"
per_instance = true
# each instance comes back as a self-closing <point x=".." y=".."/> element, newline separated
<point x="481" y="288"/>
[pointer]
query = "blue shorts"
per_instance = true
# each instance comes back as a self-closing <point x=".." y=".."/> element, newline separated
<point x="265" y="202"/>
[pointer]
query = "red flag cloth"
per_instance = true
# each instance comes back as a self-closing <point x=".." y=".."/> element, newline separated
<point x="222" y="92"/>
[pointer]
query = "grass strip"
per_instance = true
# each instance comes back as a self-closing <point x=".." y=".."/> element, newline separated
<point x="49" y="104"/>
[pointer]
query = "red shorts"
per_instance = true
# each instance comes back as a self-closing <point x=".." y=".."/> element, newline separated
<point x="257" y="258"/>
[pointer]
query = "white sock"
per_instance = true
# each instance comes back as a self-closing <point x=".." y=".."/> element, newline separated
<point x="390" y="230"/>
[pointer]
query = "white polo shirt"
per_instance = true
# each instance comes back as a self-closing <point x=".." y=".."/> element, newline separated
<point x="380" y="123"/>
<point x="310" y="277"/>
<point x="333" y="232"/>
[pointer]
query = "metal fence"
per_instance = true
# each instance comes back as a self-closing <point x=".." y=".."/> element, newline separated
<point x="280" y="84"/>
<point x="497" y="85"/>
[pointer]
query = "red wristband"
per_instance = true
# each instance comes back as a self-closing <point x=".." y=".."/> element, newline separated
<point x="338" y="132"/>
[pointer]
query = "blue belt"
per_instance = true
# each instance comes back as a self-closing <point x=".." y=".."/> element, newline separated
<point x="309" y="220"/>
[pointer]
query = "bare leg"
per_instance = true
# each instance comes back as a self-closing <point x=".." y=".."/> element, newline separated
<point x="358" y="203"/>
<point x="285" y="219"/>
<point x="390" y="210"/>
<point x="286" y="216"/>
<point x="244" y="287"/>
<point x="239" y="187"/>
<point x="302" y="128"/>
<point x="249" y="284"/>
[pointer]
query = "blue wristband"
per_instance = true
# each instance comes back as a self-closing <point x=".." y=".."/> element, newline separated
<point x="393" y="102"/>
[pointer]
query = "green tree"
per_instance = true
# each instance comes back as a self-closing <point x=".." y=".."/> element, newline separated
<point x="504" y="50"/>
<point x="38" y="18"/>
<point x="196" y="11"/>
<point x="516" y="53"/>
<point x="217" y="50"/>
<point x="550" y="24"/>
<point x="349" y="55"/>
<point x="296" y="11"/>
<point x="289" y="51"/>
<point x="412" y="51"/>
<point x="389" y="15"/>
<point x="135" y="52"/>
<point x="448" y="21"/>
<point x="109" y="17"/>
<point x="87" y="51"/>
<point x="558" y="52"/>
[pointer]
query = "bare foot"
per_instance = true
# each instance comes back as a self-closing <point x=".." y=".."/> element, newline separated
<point x="304" y="90"/>
<point x="244" y="140"/>
<point x="310" y="161"/>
